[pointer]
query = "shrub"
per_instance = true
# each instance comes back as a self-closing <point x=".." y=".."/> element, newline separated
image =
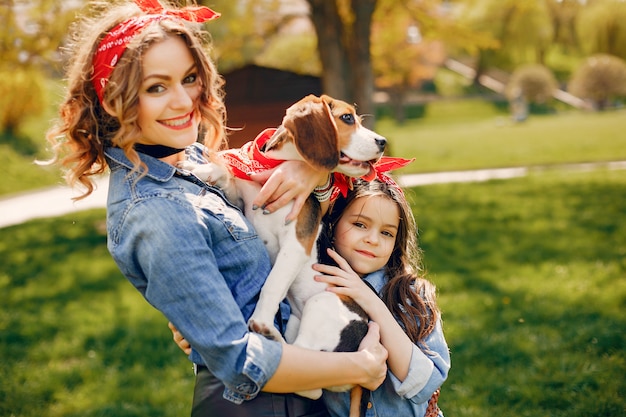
<point x="535" y="83"/>
<point x="601" y="78"/>
<point x="21" y="95"/>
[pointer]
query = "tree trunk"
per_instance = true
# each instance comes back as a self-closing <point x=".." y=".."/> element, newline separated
<point x="329" y="30"/>
<point x="360" y="59"/>
<point x="344" y="52"/>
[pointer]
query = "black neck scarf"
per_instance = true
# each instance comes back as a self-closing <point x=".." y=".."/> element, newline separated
<point x="157" y="151"/>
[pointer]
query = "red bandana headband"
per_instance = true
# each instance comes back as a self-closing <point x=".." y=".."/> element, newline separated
<point x="115" y="42"/>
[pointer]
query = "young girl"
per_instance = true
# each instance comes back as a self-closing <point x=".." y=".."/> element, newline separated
<point x="371" y="237"/>
<point x="140" y="90"/>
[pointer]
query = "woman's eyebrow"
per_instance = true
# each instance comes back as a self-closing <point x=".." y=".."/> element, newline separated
<point x="167" y="77"/>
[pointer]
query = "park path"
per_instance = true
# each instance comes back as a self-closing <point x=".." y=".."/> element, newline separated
<point x="57" y="201"/>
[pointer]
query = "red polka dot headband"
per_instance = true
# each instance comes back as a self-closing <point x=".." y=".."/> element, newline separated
<point x="115" y="42"/>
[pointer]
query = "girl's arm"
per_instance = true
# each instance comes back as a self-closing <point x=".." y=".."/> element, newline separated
<point x="344" y="281"/>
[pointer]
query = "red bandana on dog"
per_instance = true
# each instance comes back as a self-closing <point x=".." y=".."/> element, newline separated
<point x="343" y="183"/>
<point x="249" y="159"/>
<point x="114" y="43"/>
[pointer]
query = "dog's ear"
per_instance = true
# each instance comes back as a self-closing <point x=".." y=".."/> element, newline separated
<point x="312" y="126"/>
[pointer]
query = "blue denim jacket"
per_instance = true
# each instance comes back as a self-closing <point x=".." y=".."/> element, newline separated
<point x="195" y="258"/>
<point x="427" y="371"/>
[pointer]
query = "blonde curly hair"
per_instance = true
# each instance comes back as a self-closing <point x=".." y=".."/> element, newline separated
<point x="84" y="128"/>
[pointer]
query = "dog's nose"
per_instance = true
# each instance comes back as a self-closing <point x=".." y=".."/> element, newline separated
<point x="381" y="142"/>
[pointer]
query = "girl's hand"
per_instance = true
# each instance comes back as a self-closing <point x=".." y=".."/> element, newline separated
<point x="291" y="180"/>
<point x="182" y="343"/>
<point x="344" y="281"/>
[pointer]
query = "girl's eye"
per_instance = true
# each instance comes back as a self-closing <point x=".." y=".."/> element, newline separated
<point x="359" y="225"/>
<point x="155" y="89"/>
<point x="389" y="234"/>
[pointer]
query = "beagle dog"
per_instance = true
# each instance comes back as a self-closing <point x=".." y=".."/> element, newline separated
<point x="327" y="134"/>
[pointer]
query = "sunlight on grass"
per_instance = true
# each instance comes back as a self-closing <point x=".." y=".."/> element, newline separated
<point x="493" y="141"/>
<point x="69" y="312"/>
<point x="531" y="281"/>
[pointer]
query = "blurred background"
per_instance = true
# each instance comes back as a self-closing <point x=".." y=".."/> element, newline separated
<point x="531" y="271"/>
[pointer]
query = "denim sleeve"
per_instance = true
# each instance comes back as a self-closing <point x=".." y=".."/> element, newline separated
<point x="170" y="252"/>
<point x="427" y="370"/>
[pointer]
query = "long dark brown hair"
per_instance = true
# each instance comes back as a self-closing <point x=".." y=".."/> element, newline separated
<point x="409" y="296"/>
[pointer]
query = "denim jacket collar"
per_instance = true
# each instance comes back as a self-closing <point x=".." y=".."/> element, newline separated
<point x="157" y="170"/>
<point x="376" y="279"/>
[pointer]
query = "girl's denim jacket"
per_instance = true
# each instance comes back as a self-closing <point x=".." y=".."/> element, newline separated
<point x="195" y="258"/>
<point x="427" y="371"/>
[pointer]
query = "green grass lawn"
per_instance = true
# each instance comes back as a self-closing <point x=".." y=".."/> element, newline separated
<point x="531" y="276"/>
<point x="471" y="134"/>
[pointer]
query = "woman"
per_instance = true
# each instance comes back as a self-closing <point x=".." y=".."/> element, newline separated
<point x="140" y="89"/>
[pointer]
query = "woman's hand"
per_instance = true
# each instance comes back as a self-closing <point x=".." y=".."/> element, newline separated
<point x="182" y="343"/>
<point x="344" y="281"/>
<point x="375" y="358"/>
<point x="291" y="180"/>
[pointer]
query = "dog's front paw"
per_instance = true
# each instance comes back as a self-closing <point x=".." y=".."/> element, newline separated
<point x="186" y="165"/>
<point x="264" y="329"/>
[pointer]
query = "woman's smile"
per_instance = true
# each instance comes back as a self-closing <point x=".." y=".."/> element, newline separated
<point x="179" y="122"/>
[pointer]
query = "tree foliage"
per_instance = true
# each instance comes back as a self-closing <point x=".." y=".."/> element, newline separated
<point x="602" y="28"/>
<point x="243" y="31"/>
<point x="522" y="31"/>
<point x="21" y="95"/>
<point x="30" y="35"/>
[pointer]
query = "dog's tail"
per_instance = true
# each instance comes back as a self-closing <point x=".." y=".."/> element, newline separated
<point x="359" y="399"/>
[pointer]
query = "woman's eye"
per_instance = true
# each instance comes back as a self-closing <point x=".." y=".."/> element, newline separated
<point x="155" y="89"/>
<point x="190" y="79"/>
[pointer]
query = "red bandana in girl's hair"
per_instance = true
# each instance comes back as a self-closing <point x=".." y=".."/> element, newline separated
<point x="114" y="43"/>
<point x="343" y="183"/>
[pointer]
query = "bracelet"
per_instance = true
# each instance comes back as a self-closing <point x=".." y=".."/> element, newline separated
<point x="323" y="192"/>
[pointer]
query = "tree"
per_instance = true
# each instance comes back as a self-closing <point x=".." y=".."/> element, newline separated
<point x="410" y="40"/>
<point x="600" y="79"/>
<point x="522" y="29"/>
<point x="343" y="37"/>
<point x="29" y="39"/>
<point x="534" y="82"/>
<point x="21" y="92"/>
<point x="602" y="27"/>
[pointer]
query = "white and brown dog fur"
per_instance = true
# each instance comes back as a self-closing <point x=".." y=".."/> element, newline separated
<point x="327" y="134"/>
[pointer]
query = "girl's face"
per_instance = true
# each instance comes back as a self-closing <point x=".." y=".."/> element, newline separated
<point x="168" y="95"/>
<point x="365" y="234"/>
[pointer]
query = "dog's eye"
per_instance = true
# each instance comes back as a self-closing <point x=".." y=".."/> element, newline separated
<point x="348" y="118"/>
